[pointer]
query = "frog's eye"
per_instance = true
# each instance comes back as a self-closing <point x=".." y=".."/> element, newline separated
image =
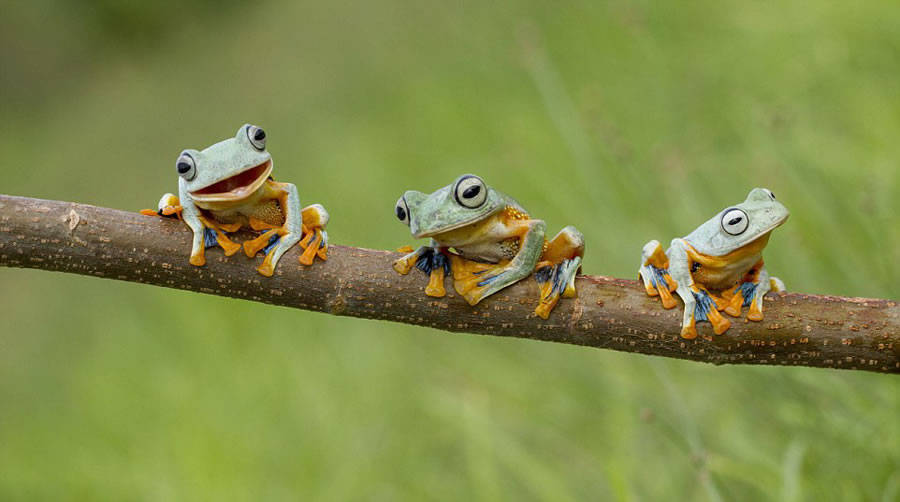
<point x="257" y="137"/>
<point x="470" y="192"/>
<point x="735" y="221"/>
<point x="186" y="166"/>
<point x="402" y="210"/>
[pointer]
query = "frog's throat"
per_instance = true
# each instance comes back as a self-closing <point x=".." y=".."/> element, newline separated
<point x="449" y="228"/>
<point x="237" y="187"/>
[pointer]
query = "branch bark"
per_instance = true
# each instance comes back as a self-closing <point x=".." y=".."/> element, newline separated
<point x="798" y="330"/>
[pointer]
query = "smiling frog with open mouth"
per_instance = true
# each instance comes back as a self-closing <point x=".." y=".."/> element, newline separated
<point x="227" y="187"/>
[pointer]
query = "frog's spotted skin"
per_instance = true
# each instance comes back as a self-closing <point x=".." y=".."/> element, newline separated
<point x="718" y="266"/>
<point x="487" y="241"/>
<point x="228" y="186"/>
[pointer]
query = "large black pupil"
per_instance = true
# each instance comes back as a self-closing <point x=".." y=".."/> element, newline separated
<point x="259" y="135"/>
<point x="183" y="167"/>
<point x="471" y="192"/>
<point x="735" y="221"/>
<point x="401" y="213"/>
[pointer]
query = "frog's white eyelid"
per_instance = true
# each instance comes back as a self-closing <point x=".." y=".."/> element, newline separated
<point x="186" y="166"/>
<point x="257" y="137"/>
<point x="734" y="221"/>
<point x="402" y="210"/>
<point x="470" y="192"/>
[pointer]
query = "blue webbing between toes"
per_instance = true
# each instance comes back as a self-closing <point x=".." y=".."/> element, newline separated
<point x="209" y="237"/>
<point x="704" y="304"/>
<point x="747" y="290"/>
<point x="272" y="242"/>
<point x="659" y="276"/>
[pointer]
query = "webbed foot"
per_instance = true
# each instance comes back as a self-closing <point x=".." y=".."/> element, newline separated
<point x="435" y="287"/>
<point x="432" y="262"/>
<point x="406" y="262"/>
<point x="262" y="241"/>
<point x="555" y="273"/>
<point x="214" y="233"/>
<point x="315" y="238"/>
<point x="706" y="309"/>
<point x="169" y="206"/>
<point x="555" y="281"/>
<point x="472" y="279"/>
<point x="741" y="296"/>
<point x="279" y="241"/>
<point x="654" y="273"/>
<point x="267" y="267"/>
<point x="314" y="243"/>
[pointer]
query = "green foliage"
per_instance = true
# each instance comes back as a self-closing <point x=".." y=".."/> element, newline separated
<point x="630" y="120"/>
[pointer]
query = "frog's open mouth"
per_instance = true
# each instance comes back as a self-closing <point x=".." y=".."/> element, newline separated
<point x="237" y="187"/>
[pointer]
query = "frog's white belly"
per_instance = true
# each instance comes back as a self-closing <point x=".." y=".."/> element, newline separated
<point x="486" y="241"/>
<point x="491" y="252"/>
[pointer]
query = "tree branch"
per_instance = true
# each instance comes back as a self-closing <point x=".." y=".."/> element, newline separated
<point x="798" y="330"/>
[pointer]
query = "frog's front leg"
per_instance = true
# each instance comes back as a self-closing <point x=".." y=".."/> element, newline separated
<point x="429" y="259"/>
<point x="699" y="304"/>
<point x="315" y="241"/>
<point x="654" y="273"/>
<point x="489" y="279"/>
<point x="555" y="273"/>
<point x="280" y="239"/>
<point x="191" y="215"/>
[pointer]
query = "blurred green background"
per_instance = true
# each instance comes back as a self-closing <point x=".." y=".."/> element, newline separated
<point x="631" y="120"/>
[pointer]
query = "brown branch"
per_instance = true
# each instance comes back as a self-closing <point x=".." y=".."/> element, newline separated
<point x="799" y="330"/>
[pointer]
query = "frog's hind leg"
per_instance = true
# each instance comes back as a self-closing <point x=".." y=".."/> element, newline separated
<point x="315" y="240"/>
<point x="215" y="233"/>
<point x="654" y="273"/>
<point x="270" y="235"/>
<point x="479" y="284"/>
<point x="469" y="274"/>
<point x="555" y="273"/>
<point x="280" y="239"/>
<point x="706" y="309"/>
<point x="168" y="205"/>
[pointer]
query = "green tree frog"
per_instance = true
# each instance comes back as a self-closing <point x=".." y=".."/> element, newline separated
<point x="718" y="266"/>
<point x="228" y="186"/>
<point x="487" y="241"/>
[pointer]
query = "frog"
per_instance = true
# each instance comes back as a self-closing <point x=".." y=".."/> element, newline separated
<point x="228" y="186"/>
<point x="486" y="241"/>
<point x="718" y="266"/>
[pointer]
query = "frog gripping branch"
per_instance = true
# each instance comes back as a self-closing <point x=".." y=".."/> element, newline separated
<point x="718" y="266"/>
<point x="227" y="187"/>
<point x="486" y="241"/>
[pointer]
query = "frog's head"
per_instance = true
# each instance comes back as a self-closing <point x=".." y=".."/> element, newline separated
<point x="739" y="225"/>
<point x="229" y="171"/>
<point x="467" y="200"/>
